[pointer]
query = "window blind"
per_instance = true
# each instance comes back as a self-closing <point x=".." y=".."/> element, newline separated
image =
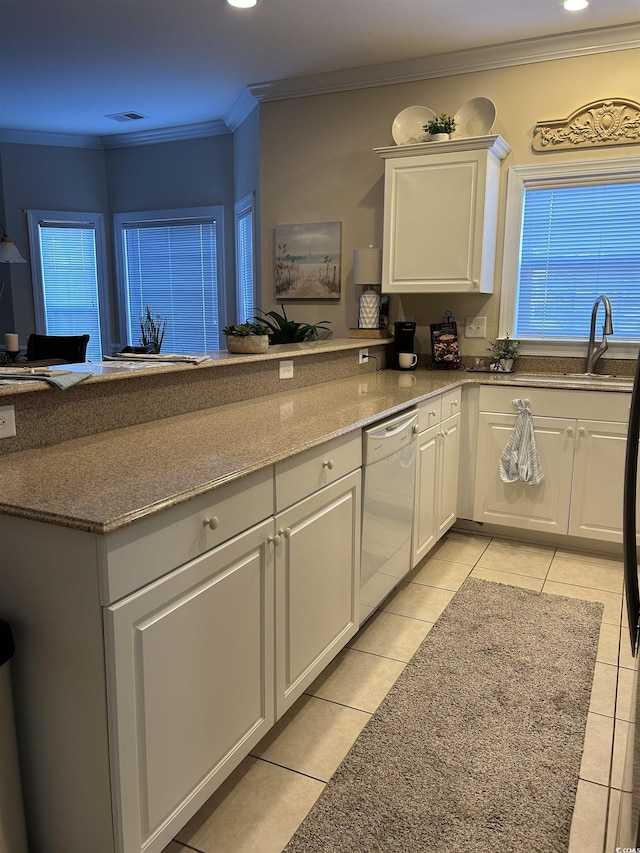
<point x="245" y="264"/>
<point x="70" y="282"/>
<point x="576" y="243"/>
<point x="171" y="266"/>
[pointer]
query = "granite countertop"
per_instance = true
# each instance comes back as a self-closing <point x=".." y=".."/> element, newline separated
<point x="108" y="480"/>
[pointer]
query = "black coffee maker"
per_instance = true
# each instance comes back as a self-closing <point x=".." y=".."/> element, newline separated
<point x="404" y="333"/>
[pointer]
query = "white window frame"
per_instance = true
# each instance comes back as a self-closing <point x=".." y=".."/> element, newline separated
<point x="520" y="178"/>
<point x="65" y="217"/>
<point x="241" y="208"/>
<point x="215" y="211"/>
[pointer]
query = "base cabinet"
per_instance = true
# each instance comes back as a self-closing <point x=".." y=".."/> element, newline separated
<point x="317" y="584"/>
<point x="582" y="460"/>
<point x="191" y="661"/>
<point x="436" y="491"/>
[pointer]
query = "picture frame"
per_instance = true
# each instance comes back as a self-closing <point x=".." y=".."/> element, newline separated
<point x="308" y="260"/>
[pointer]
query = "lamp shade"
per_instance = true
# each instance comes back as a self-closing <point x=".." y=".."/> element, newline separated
<point x="367" y="266"/>
<point x="9" y="254"/>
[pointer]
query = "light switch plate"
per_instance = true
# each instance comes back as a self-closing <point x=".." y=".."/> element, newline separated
<point x="7" y="422"/>
<point x="475" y="327"/>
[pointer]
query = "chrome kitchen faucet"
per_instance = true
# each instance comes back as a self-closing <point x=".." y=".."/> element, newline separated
<point x="595" y="352"/>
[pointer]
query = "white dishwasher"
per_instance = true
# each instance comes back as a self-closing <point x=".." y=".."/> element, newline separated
<point x="389" y="463"/>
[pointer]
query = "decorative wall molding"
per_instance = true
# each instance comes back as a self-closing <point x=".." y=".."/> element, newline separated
<point x="615" y="121"/>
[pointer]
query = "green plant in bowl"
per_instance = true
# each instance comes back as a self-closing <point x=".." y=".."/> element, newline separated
<point x="442" y="123"/>
<point x="282" y="330"/>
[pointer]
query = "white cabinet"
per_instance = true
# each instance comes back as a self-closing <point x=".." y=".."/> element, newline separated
<point x="582" y="457"/>
<point x="436" y="491"/>
<point x="317" y="561"/>
<point x="440" y="215"/>
<point x="317" y="584"/>
<point x="191" y="659"/>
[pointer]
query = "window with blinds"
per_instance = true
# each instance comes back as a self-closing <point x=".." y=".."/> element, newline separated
<point x="169" y="261"/>
<point x="67" y="274"/>
<point x="572" y="232"/>
<point x="245" y="258"/>
<point x="578" y="242"/>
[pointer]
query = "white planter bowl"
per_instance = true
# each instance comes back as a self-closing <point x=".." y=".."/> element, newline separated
<point x="247" y="343"/>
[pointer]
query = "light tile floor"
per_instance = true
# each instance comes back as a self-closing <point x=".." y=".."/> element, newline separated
<point x="262" y="803"/>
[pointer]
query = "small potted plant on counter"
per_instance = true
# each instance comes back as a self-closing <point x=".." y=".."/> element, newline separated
<point x="504" y="352"/>
<point x="440" y="127"/>
<point x="282" y="330"/>
<point x="247" y="337"/>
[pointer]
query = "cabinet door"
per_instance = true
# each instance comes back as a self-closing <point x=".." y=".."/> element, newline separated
<point x="425" y="503"/>
<point x="317" y="584"/>
<point x="598" y="478"/>
<point x="449" y="248"/>
<point x="541" y="507"/>
<point x="191" y="661"/>
<point x="448" y="474"/>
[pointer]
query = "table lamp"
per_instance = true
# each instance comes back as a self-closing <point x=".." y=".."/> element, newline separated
<point x="9" y="254"/>
<point x="367" y="270"/>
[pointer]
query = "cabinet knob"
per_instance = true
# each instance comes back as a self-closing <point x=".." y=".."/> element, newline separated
<point x="416" y="429"/>
<point x="286" y="532"/>
<point x="274" y="540"/>
<point x="454" y="403"/>
<point x="475" y="282"/>
<point x="569" y="431"/>
<point x="433" y="413"/>
<point x="212" y="523"/>
<point x="582" y="431"/>
<point x="446" y="432"/>
<point x="328" y="463"/>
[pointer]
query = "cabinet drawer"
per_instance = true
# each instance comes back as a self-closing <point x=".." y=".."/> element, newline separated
<point x="429" y="412"/>
<point x="558" y="402"/>
<point x="306" y="472"/>
<point x="142" y="552"/>
<point x="451" y="402"/>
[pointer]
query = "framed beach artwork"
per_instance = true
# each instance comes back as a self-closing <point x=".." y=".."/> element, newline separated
<point x="308" y="260"/>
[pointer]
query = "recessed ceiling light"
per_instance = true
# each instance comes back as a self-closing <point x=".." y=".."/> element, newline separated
<point x="242" y="4"/>
<point x="575" y="5"/>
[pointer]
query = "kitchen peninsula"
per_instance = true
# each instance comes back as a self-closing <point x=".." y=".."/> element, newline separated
<point x="148" y="563"/>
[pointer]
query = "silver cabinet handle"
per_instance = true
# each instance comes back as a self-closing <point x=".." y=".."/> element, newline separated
<point x="286" y="532"/>
<point x="454" y="403"/>
<point x="212" y="523"/>
<point x="569" y="431"/>
<point x="329" y="463"/>
<point x="416" y="429"/>
<point x="433" y="413"/>
<point x="582" y="431"/>
<point x="275" y="540"/>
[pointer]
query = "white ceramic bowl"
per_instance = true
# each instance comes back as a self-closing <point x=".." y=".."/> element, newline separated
<point x="474" y="118"/>
<point x="408" y="125"/>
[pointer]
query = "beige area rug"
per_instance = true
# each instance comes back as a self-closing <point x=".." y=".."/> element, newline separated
<point x="477" y="746"/>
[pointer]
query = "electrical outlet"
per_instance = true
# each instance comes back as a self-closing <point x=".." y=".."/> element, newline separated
<point x="475" y="327"/>
<point x="7" y="421"/>
<point x="286" y="369"/>
<point x="363" y="355"/>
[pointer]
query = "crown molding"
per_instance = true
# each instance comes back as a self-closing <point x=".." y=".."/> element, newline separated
<point x="217" y="127"/>
<point x="241" y="109"/>
<point x="57" y="140"/>
<point x="523" y="52"/>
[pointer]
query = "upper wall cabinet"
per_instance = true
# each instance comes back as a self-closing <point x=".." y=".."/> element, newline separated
<point x="440" y="215"/>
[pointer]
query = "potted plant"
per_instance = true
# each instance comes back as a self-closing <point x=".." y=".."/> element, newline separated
<point x="247" y="337"/>
<point x="503" y="351"/>
<point x="152" y="329"/>
<point x="440" y="127"/>
<point x="282" y="330"/>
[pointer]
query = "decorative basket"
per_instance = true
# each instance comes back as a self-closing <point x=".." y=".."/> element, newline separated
<point x="247" y="343"/>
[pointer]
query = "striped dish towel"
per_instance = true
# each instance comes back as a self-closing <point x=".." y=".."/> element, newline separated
<point x="520" y="459"/>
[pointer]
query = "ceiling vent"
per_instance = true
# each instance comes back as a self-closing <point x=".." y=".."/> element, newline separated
<point x="130" y="115"/>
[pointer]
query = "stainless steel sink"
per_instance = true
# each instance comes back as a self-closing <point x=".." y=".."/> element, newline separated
<point x="602" y="380"/>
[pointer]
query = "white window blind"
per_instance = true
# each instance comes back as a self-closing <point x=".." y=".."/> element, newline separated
<point x="245" y="259"/>
<point x="68" y="280"/>
<point x="576" y="243"/>
<point x="172" y="266"/>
